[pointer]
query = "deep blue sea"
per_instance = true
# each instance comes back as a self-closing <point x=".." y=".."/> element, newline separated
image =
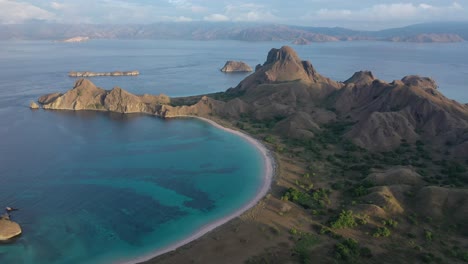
<point x="100" y="187"/>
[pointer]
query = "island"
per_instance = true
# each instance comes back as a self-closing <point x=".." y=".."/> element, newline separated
<point x="428" y="38"/>
<point x="367" y="169"/>
<point x="95" y="74"/>
<point x="236" y="66"/>
<point x="8" y="228"/>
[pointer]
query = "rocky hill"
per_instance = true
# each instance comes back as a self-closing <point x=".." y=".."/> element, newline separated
<point x="236" y="66"/>
<point x="290" y="90"/>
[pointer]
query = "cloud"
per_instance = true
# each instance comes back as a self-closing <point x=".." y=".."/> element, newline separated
<point x="244" y="12"/>
<point x="57" y="6"/>
<point x="395" y="14"/>
<point x="14" y="12"/>
<point x="249" y="12"/>
<point x="216" y="18"/>
<point x="356" y="14"/>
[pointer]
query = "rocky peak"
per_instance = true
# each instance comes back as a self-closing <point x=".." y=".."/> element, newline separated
<point x="84" y="84"/>
<point x="284" y="65"/>
<point x="361" y="78"/>
<point x="423" y="82"/>
<point x="283" y="54"/>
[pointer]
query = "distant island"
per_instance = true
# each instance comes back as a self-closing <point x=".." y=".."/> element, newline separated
<point x="95" y="74"/>
<point x="236" y="66"/>
<point x="429" y="38"/>
<point x="75" y="40"/>
<point x="368" y="170"/>
<point x="428" y="32"/>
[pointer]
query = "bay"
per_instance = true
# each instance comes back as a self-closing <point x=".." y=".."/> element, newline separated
<point x="101" y="187"/>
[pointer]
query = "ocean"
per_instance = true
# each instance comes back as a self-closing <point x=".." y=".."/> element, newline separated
<point x="104" y="187"/>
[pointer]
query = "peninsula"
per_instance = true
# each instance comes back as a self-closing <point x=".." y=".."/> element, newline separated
<point x="95" y="74"/>
<point x="368" y="170"/>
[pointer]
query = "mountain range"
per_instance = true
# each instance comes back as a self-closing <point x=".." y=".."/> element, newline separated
<point x="428" y="32"/>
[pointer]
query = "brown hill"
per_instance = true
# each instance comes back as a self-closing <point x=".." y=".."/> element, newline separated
<point x="236" y="66"/>
<point x="292" y="95"/>
<point x="86" y="96"/>
<point x="409" y="109"/>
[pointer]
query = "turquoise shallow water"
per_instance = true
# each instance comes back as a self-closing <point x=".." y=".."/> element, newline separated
<point x="106" y="186"/>
<point x="97" y="187"/>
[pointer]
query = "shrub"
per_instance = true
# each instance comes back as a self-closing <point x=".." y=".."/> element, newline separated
<point x="428" y="235"/>
<point x="293" y="231"/>
<point x="303" y="246"/>
<point x="346" y="219"/>
<point x="360" y="191"/>
<point x="362" y="220"/>
<point x="301" y="198"/>
<point x="390" y="222"/>
<point x="381" y="232"/>
<point x="270" y="139"/>
<point x="350" y="251"/>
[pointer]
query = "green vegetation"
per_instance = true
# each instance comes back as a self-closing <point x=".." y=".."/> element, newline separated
<point x="270" y="139"/>
<point x="349" y="251"/>
<point x="390" y="223"/>
<point x="457" y="253"/>
<point x="346" y="219"/>
<point x="331" y="161"/>
<point x="381" y="232"/>
<point x="303" y="246"/>
<point x="428" y="235"/>
<point x="360" y="191"/>
<point x="310" y="199"/>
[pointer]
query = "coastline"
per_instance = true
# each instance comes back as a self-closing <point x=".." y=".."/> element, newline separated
<point x="269" y="166"/>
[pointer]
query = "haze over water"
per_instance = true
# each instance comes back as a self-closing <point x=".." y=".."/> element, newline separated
<point x="97" y="187"/>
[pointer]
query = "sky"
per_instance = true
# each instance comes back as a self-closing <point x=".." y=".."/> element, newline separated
<point x="355" y="14"/>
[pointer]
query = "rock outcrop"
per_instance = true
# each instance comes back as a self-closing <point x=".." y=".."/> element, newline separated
<point x="8" y="229"/>
<point x="95" y="74"/>
<point x="33" y="105"/>
<point x="236" y="66"/>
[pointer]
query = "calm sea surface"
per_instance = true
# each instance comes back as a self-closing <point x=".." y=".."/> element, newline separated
<point x="100" y="187"/>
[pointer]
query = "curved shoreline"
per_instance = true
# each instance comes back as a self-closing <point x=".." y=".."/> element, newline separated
<point x="269" y="167"/>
